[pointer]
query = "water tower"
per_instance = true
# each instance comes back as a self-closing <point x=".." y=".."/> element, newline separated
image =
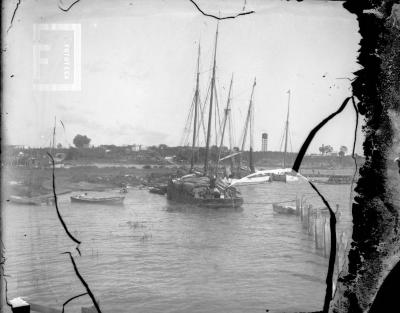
<point x="264" y="142"/>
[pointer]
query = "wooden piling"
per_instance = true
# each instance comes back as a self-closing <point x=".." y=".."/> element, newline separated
<point x="324" y="236"/>
<point x="316" y="232"/>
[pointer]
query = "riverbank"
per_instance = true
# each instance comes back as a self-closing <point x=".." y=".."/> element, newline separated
<point x="33" y="182"/>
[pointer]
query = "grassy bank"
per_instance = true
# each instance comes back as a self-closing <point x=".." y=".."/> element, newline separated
<point x="34" y="182"/>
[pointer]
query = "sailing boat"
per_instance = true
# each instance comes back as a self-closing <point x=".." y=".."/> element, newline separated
<point x="204" y="189"/>
<point x="281" y="174"/>
<point x="248" y="126"/>
<point x="285" y="174"/>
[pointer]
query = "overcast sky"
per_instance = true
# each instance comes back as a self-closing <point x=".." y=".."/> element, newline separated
<point x="138" y="64"/>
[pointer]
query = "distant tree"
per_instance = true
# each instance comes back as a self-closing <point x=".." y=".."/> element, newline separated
<point x="162" y="146"/>
<point x="59" y="146"/>
<point x="325" y="149"/>
<point x="81" y="140"/>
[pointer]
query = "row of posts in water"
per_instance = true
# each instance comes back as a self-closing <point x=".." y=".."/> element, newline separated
<point x="315" y="222"/>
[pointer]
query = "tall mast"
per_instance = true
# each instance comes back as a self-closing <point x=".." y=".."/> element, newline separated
<point x="251" y="165"/>
<point x="196" y="104"/>
<point x="227" y="110"/>
<point x="248" y="117"/>
<point x="286" y="131"/>
<point x="211" y="105"/>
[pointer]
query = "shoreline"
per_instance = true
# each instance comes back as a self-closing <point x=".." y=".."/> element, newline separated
<point x="37" y="182"/>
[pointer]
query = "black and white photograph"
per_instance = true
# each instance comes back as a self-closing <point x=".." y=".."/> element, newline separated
<point x="200" y="156"/>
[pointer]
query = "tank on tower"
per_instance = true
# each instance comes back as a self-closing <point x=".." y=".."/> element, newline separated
<point x="264" y="142"/>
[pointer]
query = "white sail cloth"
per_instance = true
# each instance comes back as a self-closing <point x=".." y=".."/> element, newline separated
<point x="259" y="177"/>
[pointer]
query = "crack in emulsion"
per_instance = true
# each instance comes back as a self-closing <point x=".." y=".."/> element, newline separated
<point x="66" y="9"/>
<point x="57" y="209"/>
<point x="353" y="151"/>
<point x="217" y="17"/>
<point x="313" y="132"/>
<point x="332" y="220"/>
<point x="332" y="254"/>
<point x="13" y="16"/>
<point x="73" y="298"/>
<point x="84" y="283"/>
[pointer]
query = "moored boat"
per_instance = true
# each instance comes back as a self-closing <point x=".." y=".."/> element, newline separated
<point x="159" y="190"/>
<point x="202" y="191"/>
<point x="24" y="200"/>
<point x="285" y="175"/>
<point x="285" y="209"/>
<point x="97" y="200"/>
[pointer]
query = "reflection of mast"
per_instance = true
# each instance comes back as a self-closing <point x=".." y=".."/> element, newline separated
<point x="226" y="116"/>
<point x="286" y="132"/>
<point x="196" y="105"/>
<point x="211" y="106"/>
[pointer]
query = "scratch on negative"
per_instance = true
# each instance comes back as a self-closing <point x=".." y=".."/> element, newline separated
<point x="313" y="132"/>
<point x="332" y="223"/>
<point x="332" y="255"/>
<point x="66" y="9"/>
<point x="70" y="299"/>
<point x="13" y="16"/>
<point x="57" y="209"/>
<point x="353" y="151"/>
<point x="220" y="18"/>
<point x="84" y="283"/>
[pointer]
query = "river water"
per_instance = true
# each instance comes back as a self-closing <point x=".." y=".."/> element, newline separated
<point x="154" y="256"/>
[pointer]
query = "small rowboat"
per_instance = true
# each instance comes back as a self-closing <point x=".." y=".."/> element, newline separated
<point x="98" y="200"/>
<point x="24" y="200"/>
<point x="285" y="209"/>
<point x="160" y="190"/>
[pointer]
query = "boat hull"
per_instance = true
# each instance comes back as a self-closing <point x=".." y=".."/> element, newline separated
<point x="284" y="209"/>
<point x="176" y="195"/>
<point x="24" y="200"/>
<point x="245" y="182"/>
<point x="158" y="191"/>
<point x="109" y="201"/>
